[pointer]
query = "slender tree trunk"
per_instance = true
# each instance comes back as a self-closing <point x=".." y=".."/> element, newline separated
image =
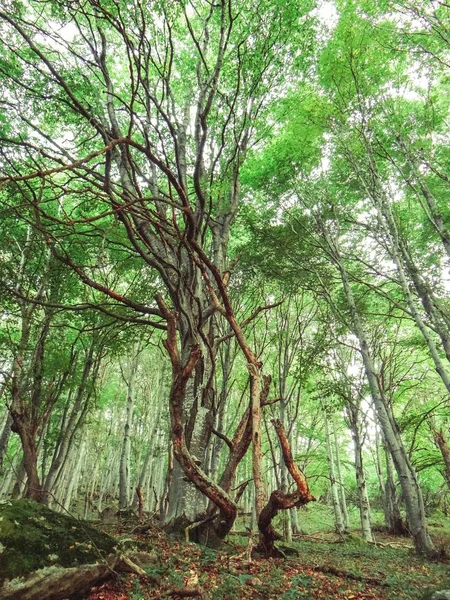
<point x="71" y="425"/>
<point x="284" y="484"/>
<point x="280" y="501"/>
<point x="4" y="439"/>
<point x="124" y="468"/>
<point x="255" y="401"/>
<point x="338" y="519"/>
<point x="340" y="480"/>
<point x="412" y="493"/>
<point x="222" y="402"/>
<point x="74" y="479"/>
<point x="406" y="266"/>
<point x="12" y="469"/>
<point x="363" y="498"/>
<point x="21" y="481"/>
<point x="393" y="515"/>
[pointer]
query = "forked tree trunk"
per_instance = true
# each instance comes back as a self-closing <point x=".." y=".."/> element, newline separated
<point x="23" y="428"/>
<point x="20" y="413"/>
<point x="182" y="373"/>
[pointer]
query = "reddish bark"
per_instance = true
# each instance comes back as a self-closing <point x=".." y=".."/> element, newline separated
<point x="180" y="376"/>
<point x="20" y="425"/>
<point x="443" y="446"/>
<point x="279" y="500"/>
<point x="140" y="503"/>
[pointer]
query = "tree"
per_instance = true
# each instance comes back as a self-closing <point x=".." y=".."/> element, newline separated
<point x="151" y="162"/>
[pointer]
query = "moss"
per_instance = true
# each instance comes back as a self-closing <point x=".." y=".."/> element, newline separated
<point x="33" y="537"/>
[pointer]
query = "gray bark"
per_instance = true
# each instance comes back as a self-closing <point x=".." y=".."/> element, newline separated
<point x="338" y="519"/>
<point x="72" y="421"/>
<point x="412" y="493"/>
<point x="363" y="497"/>
<point x="340" y="480"/>
<point x="4" y="439"/>
<point x="124" y="466"/>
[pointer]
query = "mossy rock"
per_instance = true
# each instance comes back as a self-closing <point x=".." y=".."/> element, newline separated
<point x="33" y="537"/>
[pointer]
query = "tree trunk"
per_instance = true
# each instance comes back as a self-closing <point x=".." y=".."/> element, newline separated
<point x="255" y="402"/>
<point x="73" y="482"/>
<point x="70" y="427"/>
<point x="280" y="501"/>
<point x="441" y="442"/>
<point x="287" y="521"/>
<point x="363" y="498"/>
<point x="4" y="439"/>
<point x="21" y="481"/>
<point x="412" y="493"/>
<point x="393" y="517"/>
<point x="405" y="264"/>
<point x="182" y="373"/>
<point x="124" y="467"/>
<point x="338" y="520"/>
<point x="340" y="480"/>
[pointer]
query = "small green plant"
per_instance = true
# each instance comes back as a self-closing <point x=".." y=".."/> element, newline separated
<point x="209" y="556"/>
<point x="297" y="590"/>
<point x="137" y="591"/>
<point x="228" y="588"/>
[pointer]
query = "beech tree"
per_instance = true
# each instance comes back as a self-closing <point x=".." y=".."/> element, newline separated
<point x="153" y="112"/>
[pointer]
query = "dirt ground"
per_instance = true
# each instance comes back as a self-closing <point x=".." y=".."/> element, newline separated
<point x="317" y="566"/>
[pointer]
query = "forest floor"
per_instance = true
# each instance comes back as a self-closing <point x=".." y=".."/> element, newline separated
<point x="325" y="567"/>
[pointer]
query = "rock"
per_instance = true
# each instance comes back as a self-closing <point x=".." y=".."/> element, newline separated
<point x="34" y="537"/>
<point x="50" y="556"/>
<point x="108" y="514"/>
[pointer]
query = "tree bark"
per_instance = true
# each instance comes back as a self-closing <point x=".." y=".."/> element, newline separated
<point x="442" y="443"/>
<point x="4" y="439"/>
<point x="412" y="493"/>
<point x="338" y="520"/>
<point x="363" y="498"/>
<point x="340" y="480"/>
<point x="124" y="466"/>
<point x="279" y="500"/>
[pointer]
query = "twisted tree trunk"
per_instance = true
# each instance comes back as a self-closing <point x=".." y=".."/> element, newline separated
<point x="279" y="500"/>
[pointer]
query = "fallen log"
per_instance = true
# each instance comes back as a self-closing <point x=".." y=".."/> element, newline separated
<point x="57" y="583"/>
<point x="329" y="570"/>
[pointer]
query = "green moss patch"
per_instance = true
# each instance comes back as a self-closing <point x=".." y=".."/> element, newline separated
<point x="32" y="537"/>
